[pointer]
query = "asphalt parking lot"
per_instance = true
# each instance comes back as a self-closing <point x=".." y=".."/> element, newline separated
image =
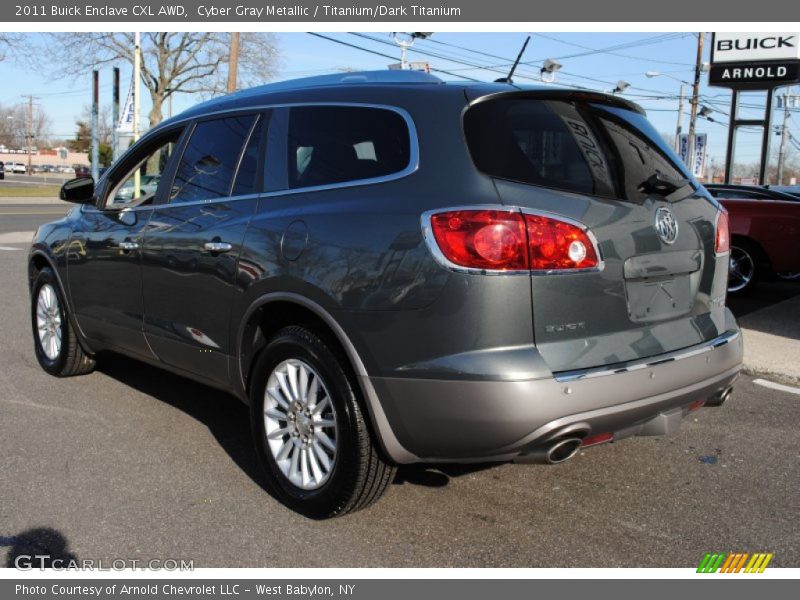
<point x="131" y="462"/>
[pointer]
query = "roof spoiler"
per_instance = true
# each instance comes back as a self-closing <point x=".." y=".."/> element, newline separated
<point x="587" y="96"/>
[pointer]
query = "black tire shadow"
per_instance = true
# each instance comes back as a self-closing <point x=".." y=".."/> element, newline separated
<point x="38" y="548"/>
<point x="438" y="475"/>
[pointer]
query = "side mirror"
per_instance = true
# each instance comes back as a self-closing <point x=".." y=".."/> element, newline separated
<point x="79" y="191"/>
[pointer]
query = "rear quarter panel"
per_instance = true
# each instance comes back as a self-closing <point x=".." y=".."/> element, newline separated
<point x="773" y="225"/>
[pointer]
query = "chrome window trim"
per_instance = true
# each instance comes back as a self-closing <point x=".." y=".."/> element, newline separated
<point x="430" y="241"/>
<point x="413" y="150"/>
<point x="582" y="374"/>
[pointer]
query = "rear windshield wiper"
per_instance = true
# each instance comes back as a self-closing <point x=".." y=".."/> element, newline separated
<point x="661" y="184"/>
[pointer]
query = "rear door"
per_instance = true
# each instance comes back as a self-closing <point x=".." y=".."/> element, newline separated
<point x="193" y="241"/>
<point x="660" y="286"/>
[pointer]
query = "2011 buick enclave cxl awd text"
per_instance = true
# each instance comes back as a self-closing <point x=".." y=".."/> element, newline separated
<point x="391" y="269"/>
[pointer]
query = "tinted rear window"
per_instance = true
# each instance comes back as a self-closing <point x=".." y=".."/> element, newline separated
<point x="573" y="146"/>
<point x="337" y="144"/>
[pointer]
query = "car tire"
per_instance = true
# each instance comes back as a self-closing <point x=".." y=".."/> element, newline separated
<point x="55" y="343"/>
<point x="745" y="268"/>
<point x="310" y="430"/>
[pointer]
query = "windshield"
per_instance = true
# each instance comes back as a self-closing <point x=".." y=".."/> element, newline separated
<point x="574" y="146"/>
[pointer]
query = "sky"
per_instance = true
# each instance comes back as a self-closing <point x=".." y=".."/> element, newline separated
<point x="621" y="56"/>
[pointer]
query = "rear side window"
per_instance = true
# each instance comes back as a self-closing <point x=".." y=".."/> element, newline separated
<point x="572" y="146"/>
<point x="210" y="160"/>
<point x="338" y="144"/>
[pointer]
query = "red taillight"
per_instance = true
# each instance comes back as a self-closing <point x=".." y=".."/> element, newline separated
<point x="504" y="240"/>
<point x="482" y="239"/>
<point x="723" y="239"/>
<point x="600" y="438"/>
<point x="558" y="245"/>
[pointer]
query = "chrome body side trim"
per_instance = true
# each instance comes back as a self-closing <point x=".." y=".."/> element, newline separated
<point x="725" y="338"/>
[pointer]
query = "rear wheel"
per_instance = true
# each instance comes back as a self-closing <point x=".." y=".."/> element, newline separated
<point x="744" y="270"/>
<point x="55" y="344"/>
<point x="310" y="431"/>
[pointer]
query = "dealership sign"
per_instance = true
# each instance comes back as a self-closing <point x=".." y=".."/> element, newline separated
<point x="754" y="61"/>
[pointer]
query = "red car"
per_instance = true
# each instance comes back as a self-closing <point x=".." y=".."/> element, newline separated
<point x="765" y="236"/>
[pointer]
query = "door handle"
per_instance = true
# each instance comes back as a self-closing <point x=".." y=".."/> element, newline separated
<point x="129" y="245"/>
<point x="217" y="246"/>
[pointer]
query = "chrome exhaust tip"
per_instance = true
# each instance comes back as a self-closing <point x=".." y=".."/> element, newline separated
<point x="719" y="398"/>
<point x="552" y="453"/>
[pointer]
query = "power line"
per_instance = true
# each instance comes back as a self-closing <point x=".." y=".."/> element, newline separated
<point x="343" y="43"/>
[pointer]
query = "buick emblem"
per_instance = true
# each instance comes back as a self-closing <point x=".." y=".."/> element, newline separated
<point x="666" y="226"/>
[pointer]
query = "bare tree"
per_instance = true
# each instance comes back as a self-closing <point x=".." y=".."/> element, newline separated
<point x="105" y="126"/>
<point x="15" y="126"/>
<point x="187" y="62"/>
<point x="8" y="42"/>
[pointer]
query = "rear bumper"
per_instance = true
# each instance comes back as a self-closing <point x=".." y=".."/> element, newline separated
<point x="461" y="421"/>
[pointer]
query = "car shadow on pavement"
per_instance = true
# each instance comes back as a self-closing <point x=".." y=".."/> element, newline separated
<point x="229" y="422"/>
<point x="224" y="415"/>
<point x="35" y="548"/>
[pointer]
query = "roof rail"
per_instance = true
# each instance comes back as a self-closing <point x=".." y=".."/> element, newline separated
<point x="354" y="77"/>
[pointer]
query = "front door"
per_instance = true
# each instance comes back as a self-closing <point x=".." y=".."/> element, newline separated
<point x="104" y="255"/>
<point x="192" y="244"/>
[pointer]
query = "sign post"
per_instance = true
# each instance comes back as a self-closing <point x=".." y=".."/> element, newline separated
<point x="753" y="61"/>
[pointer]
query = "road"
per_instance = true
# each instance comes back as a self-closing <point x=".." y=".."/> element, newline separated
<point x="131" y="462"/>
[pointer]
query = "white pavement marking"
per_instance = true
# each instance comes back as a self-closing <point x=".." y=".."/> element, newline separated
<point x="9" y="248"/>
<point x="16" y="237"/>
<point x="777" y="386"/>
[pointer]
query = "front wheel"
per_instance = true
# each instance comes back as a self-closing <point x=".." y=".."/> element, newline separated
<point x="54" y="341"/>
<point x="744" y="272"/>
<point x="309" y="429"/>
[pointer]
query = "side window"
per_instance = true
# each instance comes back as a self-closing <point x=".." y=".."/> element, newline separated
<point x="336" y="144"/>
<point x="138" y="186"/>
<point x="209" y="162"/>
<point x="246" y="175"/>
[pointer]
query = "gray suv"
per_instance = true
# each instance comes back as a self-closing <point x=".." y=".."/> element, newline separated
<point x="389" y="269"/>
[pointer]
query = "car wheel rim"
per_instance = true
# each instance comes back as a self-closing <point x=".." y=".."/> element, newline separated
<point x="48" y="321"/>
<point x="300" y="424"/>
<point x="791" y="276"/>
<point x="742" y="269"/>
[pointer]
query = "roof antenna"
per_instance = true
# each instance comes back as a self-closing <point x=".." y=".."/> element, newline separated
<point x="507" y="78"/>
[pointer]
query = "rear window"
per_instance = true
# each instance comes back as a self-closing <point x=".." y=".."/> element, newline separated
<point x="338" y="144"/>
<point x="573" y="146"/>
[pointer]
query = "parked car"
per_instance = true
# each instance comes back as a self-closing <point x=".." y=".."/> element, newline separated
<point x="748" y="192"/>
<point x="793" y="190"/>
<point x="16" y="167"/>
<point x="765" y="238"/>
<point x="2" y="170"/>
<point x="83" y="171"/>
<point x="390" y="269"/>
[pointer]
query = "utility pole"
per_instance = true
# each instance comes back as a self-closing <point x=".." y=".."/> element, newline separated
<point x="29" y="137"/>
<point x="784" y="136"/>
<point x="233" y="63"/>
<point x="95" y="125"/>
<point x="698" y="68"/>
<point x="115" y="116"/>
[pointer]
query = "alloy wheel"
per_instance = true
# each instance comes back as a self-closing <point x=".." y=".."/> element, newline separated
<point x="742" y="269"/>
<point x="300" y="424"/>
<point x="48" y="321"/>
